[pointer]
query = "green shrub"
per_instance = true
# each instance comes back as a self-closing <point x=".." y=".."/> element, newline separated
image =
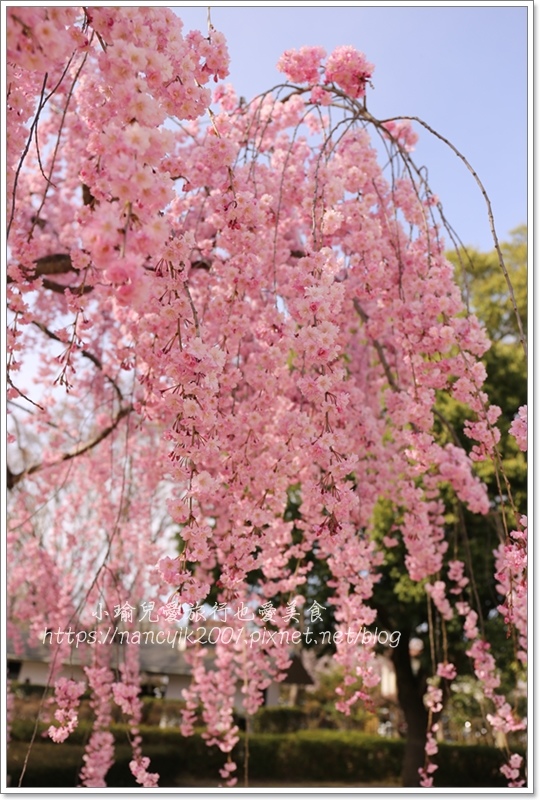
<point x="279" y="719"/>
<point x="308" y="757"/>
<point x="474" y="765"/>
<point x="334" y="756"/>
<point x="156" y="709"/>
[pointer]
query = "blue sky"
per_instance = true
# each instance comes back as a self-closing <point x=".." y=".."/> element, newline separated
<point x="463" y="69"/>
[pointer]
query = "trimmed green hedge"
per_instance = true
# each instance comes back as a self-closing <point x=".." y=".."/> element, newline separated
<point x="279" y="719"/>
<point x="473" y="765"/>
<point x="309" y="757"/>
<point x="325" y="756"/>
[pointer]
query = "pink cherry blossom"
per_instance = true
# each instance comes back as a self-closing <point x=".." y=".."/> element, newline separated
<point x="518" y="428"/>
<point x="302" y="66"/>
<point x="349" y="69"/>
<point x="447" y="671"/>
<point x="67" y="695"/>
<point x="403" y="133"/>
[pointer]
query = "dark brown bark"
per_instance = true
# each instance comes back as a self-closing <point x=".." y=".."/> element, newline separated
<point x="411" y="688"/>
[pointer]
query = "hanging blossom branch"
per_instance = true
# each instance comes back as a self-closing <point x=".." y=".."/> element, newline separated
<point x="496" y="243"/>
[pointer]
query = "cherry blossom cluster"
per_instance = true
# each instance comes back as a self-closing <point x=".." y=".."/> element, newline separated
<point x="518" y="428"/>
<point x="431" y="749"/>
<point x="345" y="66"/>
<point x="403" y="132"/>
<point x="67" y="694"/>
<point x="99" y="752"/>
<point x="126" y="694"/>
<point x="433" y="700"/>
<point x="512" y="771"/>
<point x="504" y="719"/>
<point x="511" y="574"/>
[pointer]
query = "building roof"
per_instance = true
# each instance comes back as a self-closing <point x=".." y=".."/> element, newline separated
<point x="154" y="658"/>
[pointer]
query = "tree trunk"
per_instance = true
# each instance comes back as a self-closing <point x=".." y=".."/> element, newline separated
<point x="411" y="689"/>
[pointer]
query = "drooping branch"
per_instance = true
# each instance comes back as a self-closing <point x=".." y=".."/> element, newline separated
<point x="94" y="359"/>
<point x="24" y="154"/>
<point x="22" y="394"/>
<point x="56" y="149"/>
<point x="378" y="347"/>
<point x="61" y="264"/>
<point x="54" y="264"/>
<point x="485" y="195"/>
<point x="90" y="356"/>
<point x="14" y="478"/>
<point x="235" y="380"/>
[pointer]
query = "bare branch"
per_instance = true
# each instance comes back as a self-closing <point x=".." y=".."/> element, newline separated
<point x="22" y="394"/>
<point x="57" y="144"/>
<point x="58" y="287"/>
<point x="14" y="478"/>
<point x="193" y="309"/>
<point x="377" y="345"/>
<point x="86" y="353"/>
<point x="55" y="264"/>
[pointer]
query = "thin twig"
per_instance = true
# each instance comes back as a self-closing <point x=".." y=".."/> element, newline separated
<point x="490" y="217"/>
<point x="14" y="479"/>
<point x="57" y="144"/>
<point x="86" y="353"/>
<point x="193" y="309"/>
<point x="380" y="352"/>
